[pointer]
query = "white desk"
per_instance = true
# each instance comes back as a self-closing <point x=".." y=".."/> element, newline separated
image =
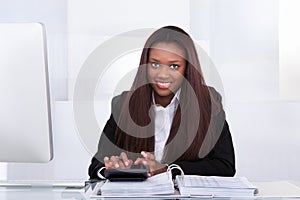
<point x="40" y="193"/>
<point x="278" y="189"/>
<point x="267" y="190"/>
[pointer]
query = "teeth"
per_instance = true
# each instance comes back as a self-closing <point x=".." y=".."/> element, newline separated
<point x="164" y="84"/>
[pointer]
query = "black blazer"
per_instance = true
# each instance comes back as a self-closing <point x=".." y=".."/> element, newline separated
<point x="220" y="161"/>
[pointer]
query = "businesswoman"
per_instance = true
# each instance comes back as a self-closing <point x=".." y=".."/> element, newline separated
<point x="170" y="116"/>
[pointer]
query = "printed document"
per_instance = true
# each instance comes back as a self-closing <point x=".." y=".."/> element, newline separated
<point x="214" y="186"/>
<point x="160" y="184"/>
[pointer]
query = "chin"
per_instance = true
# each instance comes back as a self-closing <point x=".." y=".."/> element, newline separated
<point x="164" y="93"/>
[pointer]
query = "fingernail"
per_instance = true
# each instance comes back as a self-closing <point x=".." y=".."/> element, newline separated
<point x="117" y="165"/>
<point x="149" y="174"/>
<point x="144" y="154"/>
<point x="106" y="158"/>
<point x="126" y="163"/>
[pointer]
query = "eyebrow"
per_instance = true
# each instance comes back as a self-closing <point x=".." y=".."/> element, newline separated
<point x="170" y="61"/>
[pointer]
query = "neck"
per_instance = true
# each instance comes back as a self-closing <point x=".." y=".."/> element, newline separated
<point x="164" y="101"/>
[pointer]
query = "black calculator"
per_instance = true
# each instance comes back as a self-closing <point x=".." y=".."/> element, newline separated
<point x="135" y="173"/>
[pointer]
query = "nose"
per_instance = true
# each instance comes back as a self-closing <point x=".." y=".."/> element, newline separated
<point x="163" y="72"/>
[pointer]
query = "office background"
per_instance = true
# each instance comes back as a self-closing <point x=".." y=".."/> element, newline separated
<point x="251" y="43"/>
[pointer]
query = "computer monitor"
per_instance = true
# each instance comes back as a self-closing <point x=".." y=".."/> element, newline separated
<point x="25" y="121"/>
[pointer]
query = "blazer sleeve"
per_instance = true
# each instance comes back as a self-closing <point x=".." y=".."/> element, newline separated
<point x="106" y="145"/>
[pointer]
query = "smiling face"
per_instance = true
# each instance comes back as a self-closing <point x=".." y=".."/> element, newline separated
<point x="165" y="68"/>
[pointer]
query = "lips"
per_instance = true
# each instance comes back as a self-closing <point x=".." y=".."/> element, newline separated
<point x="163" y="85"/>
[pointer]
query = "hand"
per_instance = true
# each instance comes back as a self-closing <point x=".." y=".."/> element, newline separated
<point x="115" y="162"/>
<point x="149" y="161"/>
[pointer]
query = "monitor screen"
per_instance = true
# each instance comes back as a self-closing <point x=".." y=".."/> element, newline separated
<point x="25" y="121"/>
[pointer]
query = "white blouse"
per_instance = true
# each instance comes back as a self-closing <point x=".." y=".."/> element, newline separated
<point x="163" y="121"/>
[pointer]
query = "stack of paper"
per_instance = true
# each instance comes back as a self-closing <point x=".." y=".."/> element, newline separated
<point x="194" y="185"/>
<point x="156" y="185"/>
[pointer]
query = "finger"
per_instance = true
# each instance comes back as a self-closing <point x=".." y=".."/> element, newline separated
<point x="142" y="161"/>
<point x="148" y="155"/>
<point x="107" y="162"/>
<point x="125" y="159"/>
<point x="139" y="161"/>
<point x="115" y="161"/>
<point x="129" y="164"/>
<point x="121" y="164"/>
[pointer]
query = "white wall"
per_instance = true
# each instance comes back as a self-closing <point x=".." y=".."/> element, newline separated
<point x="243" y="42"/>
<point x="241" y="37"/>
<point x="52" y="13"/>
<point x="289" y="44"/>
<point x="92" y="22"/>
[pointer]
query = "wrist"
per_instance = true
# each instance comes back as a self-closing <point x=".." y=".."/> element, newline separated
<point x="161" y="169"/>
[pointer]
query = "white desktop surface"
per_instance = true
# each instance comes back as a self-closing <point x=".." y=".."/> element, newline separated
<point x="39" y="193"/>
<point x="267" y="190"/>
<point x="278" y="189"/>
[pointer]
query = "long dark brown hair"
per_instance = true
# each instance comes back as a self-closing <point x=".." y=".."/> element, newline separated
<point x="139" y="100"/>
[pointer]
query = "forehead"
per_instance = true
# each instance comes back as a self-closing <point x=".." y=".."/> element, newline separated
<point x="167" y="50"/>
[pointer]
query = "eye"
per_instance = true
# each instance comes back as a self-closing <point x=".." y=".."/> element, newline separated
<point x="174" y="66"/>
<point x="155" y="65"/>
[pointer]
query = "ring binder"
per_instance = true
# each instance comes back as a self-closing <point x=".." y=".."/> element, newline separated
<point x="195" y="185"/>
<point x="174" y="166"/>
<point x="160" y="184"/>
